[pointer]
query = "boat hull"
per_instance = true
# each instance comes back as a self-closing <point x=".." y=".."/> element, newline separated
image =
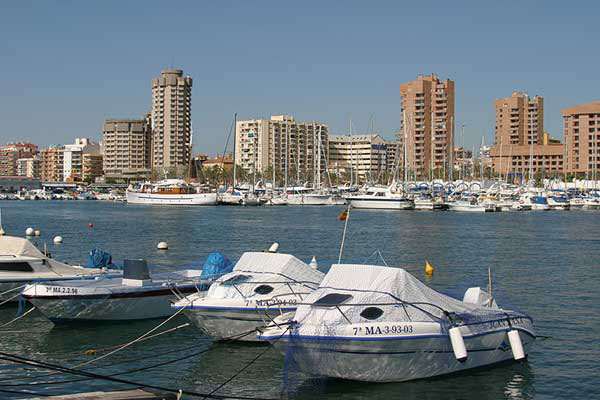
<point x="309" y="199"/>
<point x="396" y="359"/>
<point x="192" y="199"/>
<point x="381" y="204"/>
<point x="103" y="305"/>
<point x="225" y="323"/>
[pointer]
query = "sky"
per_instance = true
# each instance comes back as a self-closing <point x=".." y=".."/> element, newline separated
<point x="67" y="66"/>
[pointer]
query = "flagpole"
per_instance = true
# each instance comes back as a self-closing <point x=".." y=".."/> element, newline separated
<point x="344" y="235"/>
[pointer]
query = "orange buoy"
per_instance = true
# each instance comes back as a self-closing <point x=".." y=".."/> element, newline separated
<point x="90" y="225"/>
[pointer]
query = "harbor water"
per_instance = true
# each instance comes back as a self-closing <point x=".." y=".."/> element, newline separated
<point x="543" y="263"/>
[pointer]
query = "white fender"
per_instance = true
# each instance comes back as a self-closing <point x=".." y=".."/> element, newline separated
<point x="458" y="344"/>
<point x="516" y="344"/>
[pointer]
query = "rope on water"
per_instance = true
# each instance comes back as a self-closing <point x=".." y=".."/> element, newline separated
<point x="130" y="343"/>
<point x="58" y="368"/>
<point x="225" y="340"/>
<point x="18" y="318"/>
<point x="13" y="289"/>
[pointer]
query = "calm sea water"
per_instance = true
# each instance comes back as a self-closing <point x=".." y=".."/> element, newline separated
<point x="543" y="263"/>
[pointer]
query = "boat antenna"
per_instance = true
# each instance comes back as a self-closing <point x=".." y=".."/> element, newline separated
<point x="490" y="286"/>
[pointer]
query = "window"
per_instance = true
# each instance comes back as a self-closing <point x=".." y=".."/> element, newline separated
<point x="16" y="267"/>
<point x="371" y="313"/>
<point x="332" y="300"/>
<point x="263" y="289"/>
<point x="236" y="279"/>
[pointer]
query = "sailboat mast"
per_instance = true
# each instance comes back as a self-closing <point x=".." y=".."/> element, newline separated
<point x="234" y="147"/>
<point x="351" y="155"/>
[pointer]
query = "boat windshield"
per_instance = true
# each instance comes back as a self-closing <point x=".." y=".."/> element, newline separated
<point x="236" y="279"/>
<point x="332" y="300"/>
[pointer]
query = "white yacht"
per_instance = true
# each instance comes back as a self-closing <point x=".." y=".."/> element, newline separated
<point x="262" y="286"/>
<point x="381" y="324"/>
<point x="470" y="205"/>
<point x="22" y="263"/>
<point x="170" y="192"/>
<point x="425" y="201"/>
<point x="307" y="197"/>
<point x="381" y="198"/>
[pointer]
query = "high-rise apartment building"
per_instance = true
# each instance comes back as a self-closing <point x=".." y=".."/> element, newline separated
<point x="581" y="124"/>
<point x="52" y="160"/>
<point x="10" y="153"/>
<point x="519" y="119"/>
<point x="428" y="118"/>
<point x="171" y="119"/>
<point x="127" y="148"/>
<point x="362" y="156"/>
<point x="282" y="144"/>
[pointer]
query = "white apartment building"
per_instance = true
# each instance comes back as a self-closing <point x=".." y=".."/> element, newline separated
<point x="73" y="157"/>
<point x="171" y="119"/>
<point x="295" y="150"/>
<point x="29" y="167"/>
<point x="362" y="156"/>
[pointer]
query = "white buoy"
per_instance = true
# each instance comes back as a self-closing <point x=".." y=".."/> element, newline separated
<point x="274" y="247"/>
<point x="516" y="345"/>
<point x="313" y="263"/>
<point x="37" y="233"/>
<point x="58" y="239"/>
<point x="458" y="344"/>
<point x="162" y="246"/>
<point x="29" y="231"/>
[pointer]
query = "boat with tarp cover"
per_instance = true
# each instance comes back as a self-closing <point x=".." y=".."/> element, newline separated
<point x="262" y="286"/>
<point x="381" y="324"/>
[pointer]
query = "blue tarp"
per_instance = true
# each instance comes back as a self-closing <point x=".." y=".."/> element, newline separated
<point x="216" y="265"/>
<point x="99" y="259"/>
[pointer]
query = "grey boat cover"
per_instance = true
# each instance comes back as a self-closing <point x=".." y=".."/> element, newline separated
<point x="397" y="293"/>
<point x="16" y="246"/>
<point x="273" y="269"/>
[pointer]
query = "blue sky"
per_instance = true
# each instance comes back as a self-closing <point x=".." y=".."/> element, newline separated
<point x="67" y="66"/>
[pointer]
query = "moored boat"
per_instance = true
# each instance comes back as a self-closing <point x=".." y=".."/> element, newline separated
<point x="381" y="198"/>
<point x="262" y="286"/>
<point x="170" y="192"/>
<point x="22" y="263"/>
<point x="134" y="296"/>
<point x="381" y="324"/>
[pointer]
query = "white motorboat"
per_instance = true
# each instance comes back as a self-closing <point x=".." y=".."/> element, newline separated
<point x="558" y="202"/>
<point x="425" y="201"/>
<point x="278" y="201"/>
<point x="170" y="192"/>
<point x="306" y="197"/>
<point x="381" y="324"/>
<point x="22" y="263"/>
<point x="261" y="287"/>
<point x="231" y="197"/>
<point x="591" y="203"/>
<point x="381" y="198"/>
<point x="537" y="203"/>
<point x="470" y="206"/>
<point x="134" y="296"/>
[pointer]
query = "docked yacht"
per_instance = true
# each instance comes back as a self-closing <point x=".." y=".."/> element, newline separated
<point x="134" y="296"/>
<point x="470" y="205"/>
<point x="262" y="286"/>
<point x="381" y="324"/>
<point x="170" y="192"/>
<point x="536" y="202"/>
<point x="22" y="263"/>
<point x="558" y="202"/>
<point x="307" y="197"/>
<point x="381" y="198"/>
<point x="425" y="201"/>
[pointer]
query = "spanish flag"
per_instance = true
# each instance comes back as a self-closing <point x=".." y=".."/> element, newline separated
<point x="344" y="215"/>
